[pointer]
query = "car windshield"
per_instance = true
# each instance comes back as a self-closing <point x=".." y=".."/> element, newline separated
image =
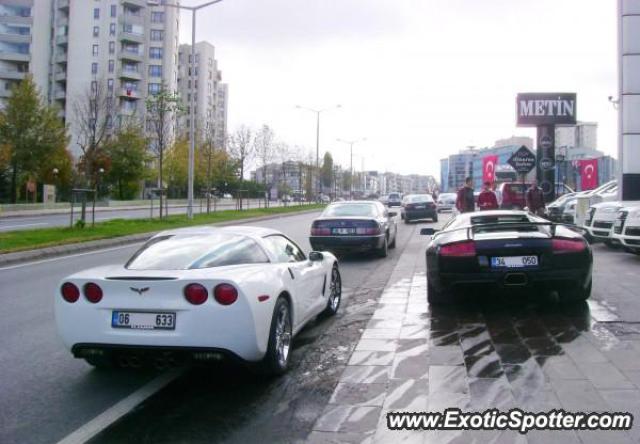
<point x="192" y="251"/>
<point x="351" y="209"/>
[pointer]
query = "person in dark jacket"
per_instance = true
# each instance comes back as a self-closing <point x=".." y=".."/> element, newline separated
<point x="465" y="202"/>
<point x="487" y="199"/>
<point x="535" y="199"/>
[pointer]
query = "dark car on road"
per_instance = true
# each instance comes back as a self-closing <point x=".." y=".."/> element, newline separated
<point x="481" y="252"/>
<point x="394" y="200"/>
<point x="418" y="207"/>
<point x="354" y="226"/>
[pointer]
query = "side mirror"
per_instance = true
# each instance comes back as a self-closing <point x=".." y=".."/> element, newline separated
<point x="428" y="231"/>
<point x="393" y="213"/>
<point x="316" y="256"/>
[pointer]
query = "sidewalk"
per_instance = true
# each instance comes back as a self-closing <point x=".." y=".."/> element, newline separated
<point x="414" y="358"/>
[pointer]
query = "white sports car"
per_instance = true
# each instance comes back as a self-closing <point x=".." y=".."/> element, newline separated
<point x="199" y="293"/>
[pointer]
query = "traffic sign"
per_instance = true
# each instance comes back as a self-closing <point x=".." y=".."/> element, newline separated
<point x="523" y="160"/>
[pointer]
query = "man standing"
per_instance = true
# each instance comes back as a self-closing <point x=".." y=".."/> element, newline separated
<point x="535" y="199"/>
<point x="464" y="201"/>
<point x="487" y="199"/>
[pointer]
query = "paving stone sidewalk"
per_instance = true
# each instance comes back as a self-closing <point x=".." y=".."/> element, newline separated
<point x="414" y="358"/>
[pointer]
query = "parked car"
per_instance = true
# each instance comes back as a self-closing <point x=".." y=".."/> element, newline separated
<point x="513" y="195"/>
<point x="394" y="200"/>
<point x="198" y="293"/>
<point x="555" y="209"/>
<point x="355" y="226"/>
<point x="600" y="220"/>
<point x="419" y="206"/>
<point x="626" y="228"/>
<point x="446" y="202"/>
<point x="506" y="250"/>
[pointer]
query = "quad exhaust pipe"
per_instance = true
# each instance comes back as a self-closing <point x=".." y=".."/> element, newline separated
<point x="160" y="362"/>
<point x="515" y="279"/>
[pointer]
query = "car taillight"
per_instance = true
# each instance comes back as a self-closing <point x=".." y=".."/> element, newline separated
<point x="70" y="292"/>
<point x="368" y="230"/>
<point x="225" y="294"/>
<point x="460" y="249"/>
<point x="568" y="245"/>
<point x="196" y="294"/>
<point x="320" y="231"/>
<point x="92" y="292"/>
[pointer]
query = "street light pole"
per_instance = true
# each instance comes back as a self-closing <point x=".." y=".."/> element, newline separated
<point x="192" y="102"/>
<point x="351" y="143"/>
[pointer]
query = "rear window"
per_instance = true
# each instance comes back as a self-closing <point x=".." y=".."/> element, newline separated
<point x="421" y="198"/>
<point x="394" y="196"/>
<point x="506" y="219"/>
<point x="193" y="251"/>
<point x="355" y="210"/>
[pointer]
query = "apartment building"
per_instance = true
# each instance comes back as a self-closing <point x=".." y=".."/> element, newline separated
<point x="210" y="94"/>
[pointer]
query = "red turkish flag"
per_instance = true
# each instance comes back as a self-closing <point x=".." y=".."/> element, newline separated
<point x="589" y="174"/>
<point x="489" y="168"/>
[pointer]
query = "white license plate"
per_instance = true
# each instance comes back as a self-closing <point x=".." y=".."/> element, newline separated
<point x="143" y="320"/>
<point x="344" y="230"/>
<point x="514" y="261"/>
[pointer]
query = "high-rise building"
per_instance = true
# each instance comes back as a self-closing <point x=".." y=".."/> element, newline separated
<point x="210" y="93"/>
<point x="583" y="135"/>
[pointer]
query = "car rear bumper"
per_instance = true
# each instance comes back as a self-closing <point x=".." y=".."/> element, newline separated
<point x="347" y="243"/>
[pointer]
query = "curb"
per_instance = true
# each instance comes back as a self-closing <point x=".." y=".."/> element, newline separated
<point x="63" y="250"/>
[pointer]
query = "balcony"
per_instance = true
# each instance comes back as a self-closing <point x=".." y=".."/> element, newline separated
<point x="14" y="56"/>
<point x="62" y="21"/>
<point x="126" y="36"/>
<point x="60" y="76"/>
<point x="12" y="74"/>
<point x="5" y="93"/>
<point x="132" y="74"/>
<point x="60" y="94"/>
<point x="63" y="4"/>
<point x="62" y="40"/>
<point x="60" y="57"/>
<point x="135" y="3"/>
<point x="135" y="56"/>
<point x="15" y="38"/>
<point x="129" y="93"/>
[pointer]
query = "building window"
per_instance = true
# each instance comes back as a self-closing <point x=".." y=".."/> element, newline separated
<point x="155" y="53"/>
<point x="155" y="71"/>
<point x="96" y="13"/>
<point x="112" y="66"/>
<point x="112" y="29"/>
<point x="96" y="31"/>
<point x="154" y="88"/>
<point x="157" y="35"/>
<point x="112" y="47"/>
<point x="110" y="85"/>
<point x="157" y="17"/>
<point x="95" y="50"/>
<point x="113" y="10"/>
<point x="94" y="68"/>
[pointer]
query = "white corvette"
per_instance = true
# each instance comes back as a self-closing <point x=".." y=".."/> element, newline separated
<point x="198" y="293"/>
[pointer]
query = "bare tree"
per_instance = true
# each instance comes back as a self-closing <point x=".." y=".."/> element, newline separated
<point x="94" y="114"/>
<point x="162" y="110"/>
<point x="266" y="151"/>
<point x="283" y="152"/>
<point x="242" y="150"/>
<point x="208" y="150"/>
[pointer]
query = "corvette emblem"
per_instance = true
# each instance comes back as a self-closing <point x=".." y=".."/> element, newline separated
<point x="139" y="290"/>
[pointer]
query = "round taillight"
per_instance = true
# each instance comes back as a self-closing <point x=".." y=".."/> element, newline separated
<point x="93" y="293"/>
<point x="196" y="294"/>
<point x="70" y="292"/>
<point x="225" y="294"/>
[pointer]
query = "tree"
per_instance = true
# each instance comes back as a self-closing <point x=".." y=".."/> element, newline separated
<point x="242" y="149"/>
<point x="31" y="133"/>
<point x="266" y="151"/>
<point x="176" y="166"/>
<point x="162" y="109"/>
<point x="326" y="172"/>
<point x="128" y="153"/>
<point x="94" y="112"/>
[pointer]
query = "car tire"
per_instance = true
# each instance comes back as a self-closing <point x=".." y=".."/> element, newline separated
<point x="335" y="293"/>
<point x="276" y="360"/>
<point x="100" y="362"/>
<point x="384" y="250"/>
<point x="579" y="294"/>
<point x="392" y="244"/>
<point x="435" y="297"/>
<point x="407" y="221"/>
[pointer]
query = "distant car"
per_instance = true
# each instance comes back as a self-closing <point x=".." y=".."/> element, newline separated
<point x="325" y="199"/>
<point x="513" y="195"/>
<point x="227" y="196"/>
<point x="419" y="206"/>
<point x="355" y="226"/>
<point x="626" y="228"/>
<point x="198" y="293"/>
<point x="489" y="250"/>
<point x="446" y="202"/>
<point x="394" y="200"/>
<point x="555" y="209"/>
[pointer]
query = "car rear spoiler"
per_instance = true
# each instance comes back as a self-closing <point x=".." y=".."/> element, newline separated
<point x="472" y="228"/>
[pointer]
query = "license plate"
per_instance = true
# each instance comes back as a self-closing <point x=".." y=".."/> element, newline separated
<point x="420" y="207"/>
<point x="514" y="261"/>
<point x="143" y="320"/>
<point x="344" y="230"/>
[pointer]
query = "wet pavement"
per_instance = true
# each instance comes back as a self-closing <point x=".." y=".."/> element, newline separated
<point x="530" y="352"/>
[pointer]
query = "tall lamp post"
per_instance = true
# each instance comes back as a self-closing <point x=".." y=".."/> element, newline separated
<point x="318" y="112"/>
<point x="192" y="102"/>
<point x="351" y="143"/>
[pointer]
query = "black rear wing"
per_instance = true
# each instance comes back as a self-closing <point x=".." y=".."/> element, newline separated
<point x="471" y="229"/>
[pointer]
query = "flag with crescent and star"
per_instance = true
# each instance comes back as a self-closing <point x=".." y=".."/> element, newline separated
<point x="489" y="168"/>
<point x="589" y="174"/>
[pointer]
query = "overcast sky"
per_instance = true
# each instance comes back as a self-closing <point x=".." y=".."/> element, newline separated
<point x="420" y="79"/>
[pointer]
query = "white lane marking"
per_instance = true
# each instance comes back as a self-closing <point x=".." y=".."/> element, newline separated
<point x="43" y="261"/>
<point x="121" y="408"/>
<point x="5" y="227"/>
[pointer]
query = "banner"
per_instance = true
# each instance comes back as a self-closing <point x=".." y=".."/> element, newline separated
<point x="589" y="174"/>
<point x="489" y="168"/>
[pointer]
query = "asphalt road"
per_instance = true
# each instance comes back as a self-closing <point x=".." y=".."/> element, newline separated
<point x="63" y="220"/>
<point x="46" y="394"/>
